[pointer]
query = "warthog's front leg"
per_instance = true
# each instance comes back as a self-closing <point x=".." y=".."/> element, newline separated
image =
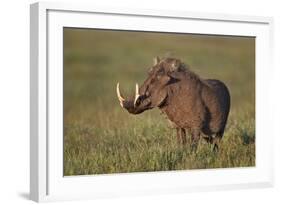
<point x="181" y="135"/>
<point x="195" y="136"/>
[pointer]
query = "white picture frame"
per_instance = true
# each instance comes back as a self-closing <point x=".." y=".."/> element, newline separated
<point x="47" y="182"/>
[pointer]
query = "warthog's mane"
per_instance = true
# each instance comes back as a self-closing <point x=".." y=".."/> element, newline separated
<point x="182" y="68"/>
<point x="186" y="69"/>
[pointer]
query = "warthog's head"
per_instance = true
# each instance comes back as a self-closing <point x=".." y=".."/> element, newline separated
<point x="154" y="91"/>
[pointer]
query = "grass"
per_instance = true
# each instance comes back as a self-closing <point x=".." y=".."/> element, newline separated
<point x="100" y="137"/>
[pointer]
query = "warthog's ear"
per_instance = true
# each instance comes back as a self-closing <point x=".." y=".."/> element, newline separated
<point x="173" y="77"/>
<point x="156" y="60"/>
<point x="175" y="65"/>
<point x="165" y="79"/>
<point x="169" y="78"/>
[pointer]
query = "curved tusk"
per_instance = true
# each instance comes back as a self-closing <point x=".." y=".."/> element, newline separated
<point x="120" y="98"/>
<point x="137" y="94"/>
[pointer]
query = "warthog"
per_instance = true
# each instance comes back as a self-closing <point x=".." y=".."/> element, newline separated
<point x="194" y="105"/>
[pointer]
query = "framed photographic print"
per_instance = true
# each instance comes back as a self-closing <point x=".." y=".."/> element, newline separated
<point x="127" y="102"/>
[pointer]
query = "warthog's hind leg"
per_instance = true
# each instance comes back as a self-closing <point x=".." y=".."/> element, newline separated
<point x="216" y="142"/>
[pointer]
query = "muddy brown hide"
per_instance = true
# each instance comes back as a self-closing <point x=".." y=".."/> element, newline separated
<point x="195" y="105"/>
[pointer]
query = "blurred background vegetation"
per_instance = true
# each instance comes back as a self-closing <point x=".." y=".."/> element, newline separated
<point x="100" y="137"/>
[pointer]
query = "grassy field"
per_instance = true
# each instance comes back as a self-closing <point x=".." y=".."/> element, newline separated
<point x="100" y="137"/>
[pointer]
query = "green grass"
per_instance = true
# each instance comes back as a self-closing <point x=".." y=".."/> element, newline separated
<point x="100" y="137"/>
